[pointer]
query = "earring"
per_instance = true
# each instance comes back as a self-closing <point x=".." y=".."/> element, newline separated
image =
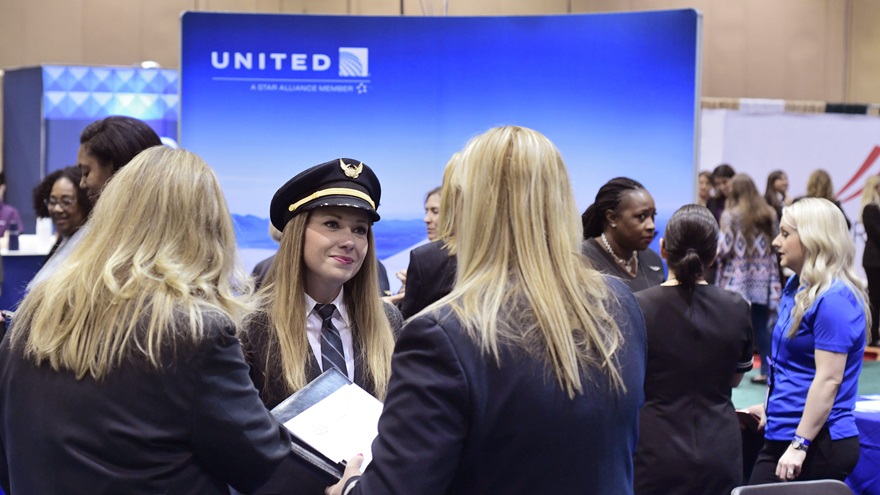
<point x="613" y="225"/>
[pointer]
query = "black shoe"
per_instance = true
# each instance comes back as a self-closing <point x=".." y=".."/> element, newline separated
<point x="759" y="379"/>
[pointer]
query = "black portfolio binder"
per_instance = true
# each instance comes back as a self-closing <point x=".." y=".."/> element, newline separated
<point x="326" y="470"/>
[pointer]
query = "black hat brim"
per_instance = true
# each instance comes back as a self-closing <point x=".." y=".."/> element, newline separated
<point x="341" y="200"/>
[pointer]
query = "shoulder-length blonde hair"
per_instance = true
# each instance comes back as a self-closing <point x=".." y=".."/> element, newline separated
<point x="869" y="194"/>
<point x="521" y="276"/>
<point x="159" y="250"/>
<point x="828" y="255"/>
<point x="819" y="185"/>
<point x="283" y="301"/>
<point x="755" y="214"/>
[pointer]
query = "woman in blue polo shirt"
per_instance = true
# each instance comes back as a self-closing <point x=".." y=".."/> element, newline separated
<point x="817" y="350"/>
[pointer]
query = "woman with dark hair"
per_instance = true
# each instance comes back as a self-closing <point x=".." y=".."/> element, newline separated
<point x="721" y="177"/>
<point x="618" y="227"/>
<point x="747" y="264"/>
<point x="59" y="196"/>
<point x="699" y="346"/>
<point x="705" y="187"/>
<point x="107" y="145"/>
<point x="776" y="193"/>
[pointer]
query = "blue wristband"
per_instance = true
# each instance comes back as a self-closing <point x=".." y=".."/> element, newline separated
<point x="800" y="443"/>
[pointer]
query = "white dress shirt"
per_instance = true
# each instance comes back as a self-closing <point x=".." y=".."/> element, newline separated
<point x="340" y="321"/>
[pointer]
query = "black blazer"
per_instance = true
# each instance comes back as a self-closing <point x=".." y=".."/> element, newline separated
<point x="195" y="427"/>
<point x="871" y="221"/>
<point x="454" y="422"/>
<point x="430" y="276"/>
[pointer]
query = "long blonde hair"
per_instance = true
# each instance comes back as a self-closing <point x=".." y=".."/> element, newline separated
<point x="158" y="252"/>
<point x="828" y="255"/>
<point x="521" y="276"/>
<point x="869" y="194"/>
<point x="450" y="202"/>
<point x="282" y="299"/>
<point x="755" y="214"/>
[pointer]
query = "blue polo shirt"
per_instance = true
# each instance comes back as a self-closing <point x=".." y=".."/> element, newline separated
<point x="836" y="323"/>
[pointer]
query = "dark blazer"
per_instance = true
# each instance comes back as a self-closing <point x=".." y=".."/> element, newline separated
<point x="871" y="221"/>
<point x="430" y="276"/>
<point x="455" y="422"/>
<point x="271" y="385"/>
<point x="261" y="270"/>
<point x="195" y="427"/>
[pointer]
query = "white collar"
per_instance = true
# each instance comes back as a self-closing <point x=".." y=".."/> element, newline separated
<point x="338" y="302"/>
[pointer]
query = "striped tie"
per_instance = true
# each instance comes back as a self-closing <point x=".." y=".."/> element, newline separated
<point x="331" y="342"/>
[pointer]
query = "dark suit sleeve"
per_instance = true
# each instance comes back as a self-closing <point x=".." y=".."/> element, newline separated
<point x="425" y="420"/>
<point x="384" y="286"/>
<point x="746" y="358"/>
<point x="234" y="436"/>
<point x="871" y="220"/>
<point x="395" y="319"/>
<point x="413" y="298"/>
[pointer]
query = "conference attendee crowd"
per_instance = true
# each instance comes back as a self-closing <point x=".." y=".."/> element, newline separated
<point x="531" y="349"/>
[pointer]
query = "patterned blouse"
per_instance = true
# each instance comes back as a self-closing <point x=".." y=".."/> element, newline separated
<point x="749" y="269"/>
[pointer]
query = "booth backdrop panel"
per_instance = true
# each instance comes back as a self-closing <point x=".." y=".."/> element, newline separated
<point x="22" y="140"/>
<point x="265" y="96"/>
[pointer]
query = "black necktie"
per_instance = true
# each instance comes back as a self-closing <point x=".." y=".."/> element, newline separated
<point x="331" y="343"/>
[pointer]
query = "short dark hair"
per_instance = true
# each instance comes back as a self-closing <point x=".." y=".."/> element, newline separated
<point x="115" y="140"/>
<point x="723" y="171"/>
<point x="690" y="240"/>
<point x="608" y="198"/>
<point x="44" y="190"/>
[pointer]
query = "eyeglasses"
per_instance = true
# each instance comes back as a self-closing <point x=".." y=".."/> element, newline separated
<point x="65" y="202"/>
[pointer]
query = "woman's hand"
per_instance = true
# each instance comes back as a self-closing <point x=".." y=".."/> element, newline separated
<point x="758" y="411"/>
<point x="353" y="468"/>
<point x="790" y="464"/>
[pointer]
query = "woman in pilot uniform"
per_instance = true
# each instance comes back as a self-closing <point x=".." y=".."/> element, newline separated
<point x="318" y="307"/>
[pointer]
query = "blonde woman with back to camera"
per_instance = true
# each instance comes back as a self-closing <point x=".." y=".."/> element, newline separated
<point x="122" y="372"/>
<point x="818" y="346"/>
<point x="527" y="377"/>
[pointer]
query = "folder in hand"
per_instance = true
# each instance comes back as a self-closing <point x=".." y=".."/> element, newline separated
<point x="331" y="420"/>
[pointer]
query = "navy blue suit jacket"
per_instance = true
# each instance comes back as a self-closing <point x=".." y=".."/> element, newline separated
<point x="454" y="422"/>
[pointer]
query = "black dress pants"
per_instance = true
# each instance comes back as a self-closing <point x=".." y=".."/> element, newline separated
<point x="826" y="459"/>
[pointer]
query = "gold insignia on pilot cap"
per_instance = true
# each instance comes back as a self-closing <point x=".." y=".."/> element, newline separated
<point x="351" y="171"/>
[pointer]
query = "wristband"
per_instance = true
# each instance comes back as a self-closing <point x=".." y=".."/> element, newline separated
<point x="800" y="443"/>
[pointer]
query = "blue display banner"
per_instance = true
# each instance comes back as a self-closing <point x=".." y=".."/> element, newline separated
<point x="265" y="96"/>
